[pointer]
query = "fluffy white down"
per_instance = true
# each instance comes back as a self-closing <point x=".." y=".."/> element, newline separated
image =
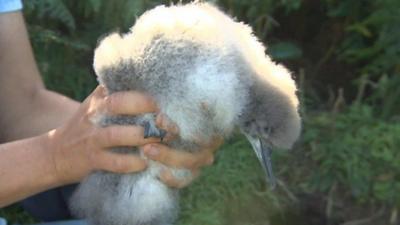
<point x="207" y="82"/>
<point x="148" y="197"/>
<point x="191" y="21"/>
<point x="198" y="21"/>
<point x="141" y="199"/>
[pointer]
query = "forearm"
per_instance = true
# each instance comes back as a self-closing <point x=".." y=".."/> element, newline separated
<point x="49" y="111"/>
<point x="19" y="77"/>
<point x="26" y="107"/>
<point x="46" y="111"/>
<point x="26" y="168"/>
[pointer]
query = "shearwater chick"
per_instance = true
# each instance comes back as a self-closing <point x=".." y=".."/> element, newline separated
<point x="209" y="75"/>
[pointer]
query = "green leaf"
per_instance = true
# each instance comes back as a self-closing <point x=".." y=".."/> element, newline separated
<point x="361" y="29"/>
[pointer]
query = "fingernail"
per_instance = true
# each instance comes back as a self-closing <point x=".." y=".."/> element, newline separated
<point x="152" y="151"/>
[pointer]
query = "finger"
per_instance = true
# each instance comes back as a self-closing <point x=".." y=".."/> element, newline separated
<point x="112" y="136"/>
<point x="216" y="142"/>
<point x="93" y="104"/>
<point x="129" y="103"/>
<point x="164" y="122"/>
<point x="119" y="163"/>
<point x="179" y="159"/>
<point x="212" y="145"/>
<point x="100" y="91"/>
<point x="167" y="178"/>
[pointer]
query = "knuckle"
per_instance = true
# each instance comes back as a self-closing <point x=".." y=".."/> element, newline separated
<point x="110" y="135"/>
<point x="112" y="102"/>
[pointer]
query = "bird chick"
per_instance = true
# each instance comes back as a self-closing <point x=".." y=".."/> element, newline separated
<point x="209" y="75"/>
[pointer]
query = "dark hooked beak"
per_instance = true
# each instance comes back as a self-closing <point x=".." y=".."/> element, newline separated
<point x="263" y="151"/>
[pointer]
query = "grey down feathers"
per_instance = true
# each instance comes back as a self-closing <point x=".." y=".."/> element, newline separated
<point x="186" y="57"/>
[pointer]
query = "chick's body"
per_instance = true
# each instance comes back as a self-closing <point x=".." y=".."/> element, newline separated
<point x="200" y="66"/>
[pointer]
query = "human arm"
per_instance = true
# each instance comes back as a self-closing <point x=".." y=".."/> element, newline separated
<point x="26" y="107"/>
<point x="68" y="153"/>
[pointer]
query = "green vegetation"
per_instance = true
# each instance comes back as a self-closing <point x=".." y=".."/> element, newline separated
<point x="345" y="57"/>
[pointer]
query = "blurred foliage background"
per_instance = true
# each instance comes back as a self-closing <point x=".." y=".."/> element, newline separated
<point x="345" y="56"/>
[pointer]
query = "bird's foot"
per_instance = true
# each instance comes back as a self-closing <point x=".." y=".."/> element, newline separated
<point x="150" y="130"/>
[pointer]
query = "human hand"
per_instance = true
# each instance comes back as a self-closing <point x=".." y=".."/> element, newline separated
<point x="80" y="146"/>
<point x="180" y="159"/>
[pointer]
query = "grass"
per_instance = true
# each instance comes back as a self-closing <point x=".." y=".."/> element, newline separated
<point x="233" y="180"/>
<point x="16" y="215"/>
